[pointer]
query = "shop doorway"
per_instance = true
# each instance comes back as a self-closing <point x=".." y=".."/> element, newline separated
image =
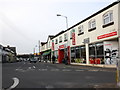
<point x="60" y="55"/>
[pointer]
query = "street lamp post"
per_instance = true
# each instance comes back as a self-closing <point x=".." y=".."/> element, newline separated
<point x="66" y="20"/>
<point x="34" y="52"/>
<point x="39" y="49"/>
<point x="66" y="46"/>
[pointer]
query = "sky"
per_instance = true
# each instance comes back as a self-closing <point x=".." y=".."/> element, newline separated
<point x="24" y="22"/>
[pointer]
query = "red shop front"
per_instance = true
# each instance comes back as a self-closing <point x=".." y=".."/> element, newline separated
<point x="61" y="53"/>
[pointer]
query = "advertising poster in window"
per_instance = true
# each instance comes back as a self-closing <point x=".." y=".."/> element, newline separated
<point x="110" y="52"/>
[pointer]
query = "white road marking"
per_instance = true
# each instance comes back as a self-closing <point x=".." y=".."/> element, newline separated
<point x="66" y="70"/>
<point x="18" y="69"/>
<point x="79" y="70"/>
<point x="29" y="67"/>
<point x="48" y="86"/>
<point x="34" y="67"/>
<point x="54" y="69"/>
<point x="16" y="82"/>
<point x="42" y="69"/>
<point x="93" y="70"/>
<point x="88" y="77"/>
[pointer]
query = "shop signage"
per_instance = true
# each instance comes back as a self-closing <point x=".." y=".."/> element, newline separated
<point x="52" y="44"/>
<point x="86" y="40"/>
<point x="73" y="37"/>
<point x="61" y="47"/>
<point x="107" y="35"/>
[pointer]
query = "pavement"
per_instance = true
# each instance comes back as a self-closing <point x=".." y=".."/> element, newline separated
<point x="95" y="65"/>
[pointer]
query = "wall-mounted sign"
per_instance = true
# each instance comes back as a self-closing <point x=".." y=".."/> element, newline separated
<point x="73" y="37"/>
<point x="86" y="40"/>
<point x="61" y="47"/>
<point x="52" y="44"/>
<point x="107" y="35"/>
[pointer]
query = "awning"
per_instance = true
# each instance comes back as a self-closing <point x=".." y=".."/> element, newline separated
<point x="46" y="53"/>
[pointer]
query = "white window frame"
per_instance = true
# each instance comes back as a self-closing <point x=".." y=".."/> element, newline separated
<point x="56" y="41"/>
<point x="60" y="39"/>
<point x="49" y="44"/>
<point x="65" y="36"/>
<point x="92" y="24"/>
<point x="80" y="29"/>
<point x="71" y="33"/>
<point x="108" y="17"/>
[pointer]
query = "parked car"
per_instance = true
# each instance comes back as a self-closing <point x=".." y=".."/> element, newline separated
<point x="33" y="60"/>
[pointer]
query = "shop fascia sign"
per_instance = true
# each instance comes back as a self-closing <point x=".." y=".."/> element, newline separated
<point x="73" y="37"/>
<point x="107" y="35"/>
<point x="52" y="44"/>
<point x="62" y="46"/>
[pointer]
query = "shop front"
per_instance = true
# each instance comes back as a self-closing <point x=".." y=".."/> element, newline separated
<point x="105" y="52"/>
<point x="46" y="56"/>
<point x="78" y="54"/>
<point x="63" y="52"/>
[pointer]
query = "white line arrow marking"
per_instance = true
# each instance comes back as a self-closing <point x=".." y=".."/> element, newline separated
<point x="16" y="82"/>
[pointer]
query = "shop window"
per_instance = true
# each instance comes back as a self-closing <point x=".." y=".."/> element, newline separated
<point x="80" y="30"/>
<point x="78" y="54"/>
<point x="99" y="49"/>
<point x="72" y="54"/>
<point x="108" y="19"/>
<point x="92" y="25"/>
<point x="56" y="55"/>
<point x="83" y="54"/>
<point x="77" y="50"/>
<point x="65" y="37"/>
<point x="92" y="50"/>
<point x="96" y="53"/>
<point x="60" y="39"/>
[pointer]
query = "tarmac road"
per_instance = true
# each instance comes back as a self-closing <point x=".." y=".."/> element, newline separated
<point x="48" y="75"/>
